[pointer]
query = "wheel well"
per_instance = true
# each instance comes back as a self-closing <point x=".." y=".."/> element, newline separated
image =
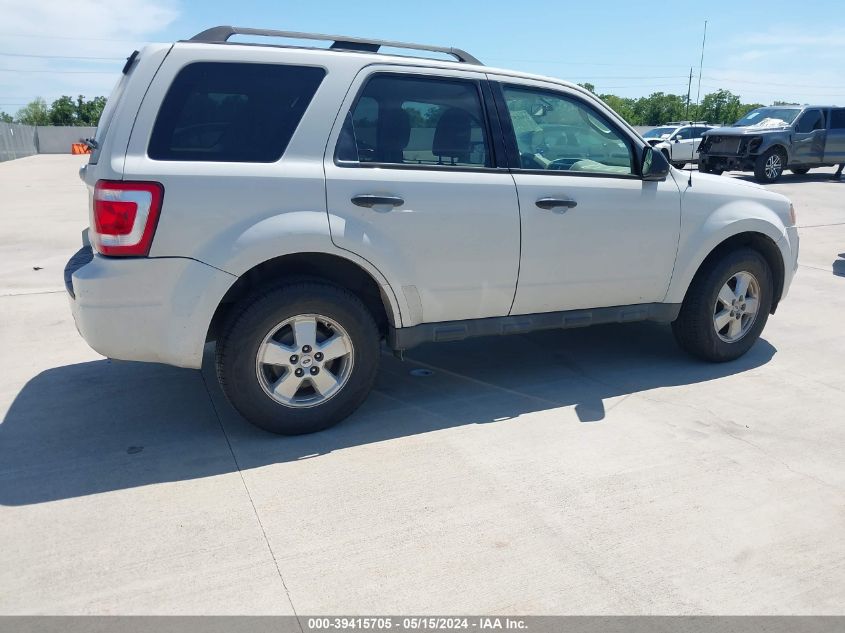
<point x="781" y="149"/>
<point x="301" y="267"/>
<point x="764" y="245"/>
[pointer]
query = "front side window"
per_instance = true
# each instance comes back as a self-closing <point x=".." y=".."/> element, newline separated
<point x="555" y="132"/>
<point x="811" y="120"/>
<point x="837" y="119"/>
<point x="684" y="134"/>
<point x="232" y="112"/>
<point x="425" y="121"/>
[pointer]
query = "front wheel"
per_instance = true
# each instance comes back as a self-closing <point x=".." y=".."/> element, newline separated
<point x="679" y="165"/>
<point x="726" y="307"/>
<point x="298" y="358"/>
<point x="769" y="166"/>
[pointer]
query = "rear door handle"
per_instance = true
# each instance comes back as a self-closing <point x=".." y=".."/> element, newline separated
<point x="370" y="201"/>
<point x="556" y="203"/>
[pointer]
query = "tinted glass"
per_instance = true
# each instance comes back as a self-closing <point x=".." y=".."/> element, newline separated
<point x="232" y="112"/>
<point x="810" y="120"/>
<point x="837" y="119"/>
<point x="559" y="133"/>
<point x="684" y="134"/>
<point x="416" y="121"/>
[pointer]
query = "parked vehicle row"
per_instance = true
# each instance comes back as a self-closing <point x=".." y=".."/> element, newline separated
<point x="678" y="140"/>
<point x="304" y="206"/>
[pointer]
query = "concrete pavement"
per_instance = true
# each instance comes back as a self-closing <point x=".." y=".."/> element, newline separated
<point x="599" y="472"/>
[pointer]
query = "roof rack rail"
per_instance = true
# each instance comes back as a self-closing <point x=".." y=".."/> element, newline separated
<point x="220" y="34"/>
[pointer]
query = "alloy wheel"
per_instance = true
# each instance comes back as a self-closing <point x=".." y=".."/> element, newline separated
<point x="736" y="307"/>
<point x="774" y="165"/>
<point x="304" y="360"/>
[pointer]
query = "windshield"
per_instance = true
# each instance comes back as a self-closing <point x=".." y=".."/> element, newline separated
<point x="659" y="132"/>
<point x="768" y="117"/>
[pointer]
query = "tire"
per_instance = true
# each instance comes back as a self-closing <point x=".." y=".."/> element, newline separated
<point x="679" y="165"/>
<point x="271" y="323"/>
<point x="769" y="166"/>
<point x="695" y="329"/>
<point x="799" y="170"/>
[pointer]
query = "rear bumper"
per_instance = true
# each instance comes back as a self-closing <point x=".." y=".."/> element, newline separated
<point x="144" y="309"/>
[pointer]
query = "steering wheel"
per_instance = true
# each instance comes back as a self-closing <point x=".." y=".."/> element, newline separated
<point x="562" y="164"/>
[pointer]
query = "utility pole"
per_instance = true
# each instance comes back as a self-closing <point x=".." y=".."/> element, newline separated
<point x="689" y="88"/>
<point x="701" y="63"/>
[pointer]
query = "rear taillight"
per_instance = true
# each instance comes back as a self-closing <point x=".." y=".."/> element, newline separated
<point x="125" y="216"/>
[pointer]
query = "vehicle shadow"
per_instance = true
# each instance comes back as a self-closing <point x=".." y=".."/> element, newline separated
<point x="101" y="426"/>
<point x="789" y="177"/>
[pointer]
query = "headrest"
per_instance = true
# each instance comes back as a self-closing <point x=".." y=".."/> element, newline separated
<point x="452" y="135"/>
<point x="394" y="129"/>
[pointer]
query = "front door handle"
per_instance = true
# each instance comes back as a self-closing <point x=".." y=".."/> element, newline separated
<point x="556" y="203"/>
<point x="370" y="201"/>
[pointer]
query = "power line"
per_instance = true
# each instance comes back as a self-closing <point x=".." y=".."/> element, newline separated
<point x="61" y="72"/>
<point x="110" y="59"/>
<point x="64" y="37"/>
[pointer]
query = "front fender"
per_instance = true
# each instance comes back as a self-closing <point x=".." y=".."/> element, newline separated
<point x="701" y="235"/>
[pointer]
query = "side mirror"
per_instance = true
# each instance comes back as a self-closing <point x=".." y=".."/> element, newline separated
<point x="677" y="139"/>
<point x="654" y="165"/>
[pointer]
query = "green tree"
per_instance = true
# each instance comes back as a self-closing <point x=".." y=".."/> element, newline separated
<point x="5" y="117"/>
<point x="588" y="86"/>
<point x="34" y="113"/>
<point x="63" y="111"/>
<point x="89" y="112"/>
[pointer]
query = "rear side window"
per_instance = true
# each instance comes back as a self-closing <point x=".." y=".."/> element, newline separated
<point x="232" y="112"/>
<point x="413" y="120"/>
<point x="837" y="119"/>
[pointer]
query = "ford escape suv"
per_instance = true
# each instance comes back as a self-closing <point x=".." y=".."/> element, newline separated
<point x="301" y="205"/>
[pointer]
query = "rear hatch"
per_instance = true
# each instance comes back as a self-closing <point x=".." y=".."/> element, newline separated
<point x="112" y="135"/>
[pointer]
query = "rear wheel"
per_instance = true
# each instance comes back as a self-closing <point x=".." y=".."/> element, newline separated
<point x="299" y="358"/>
<point x="726" y="307"/>
<point x="769" y="165"/>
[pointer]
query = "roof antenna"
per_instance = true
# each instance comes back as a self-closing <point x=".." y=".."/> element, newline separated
<point x="698" y="92"/>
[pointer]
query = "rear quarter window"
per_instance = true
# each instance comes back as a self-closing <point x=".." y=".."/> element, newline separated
<point x="232" y="112"/>
<point x="837" y="119"/>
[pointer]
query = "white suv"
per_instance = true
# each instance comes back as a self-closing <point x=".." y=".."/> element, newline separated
<point x="678" y="140"/>
<point x="302" y="205"/>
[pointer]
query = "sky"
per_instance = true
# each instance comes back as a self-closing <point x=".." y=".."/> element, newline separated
<point x="777" y="50"/>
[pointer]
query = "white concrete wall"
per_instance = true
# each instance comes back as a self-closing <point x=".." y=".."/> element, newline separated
<point x="17" y="141"/>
